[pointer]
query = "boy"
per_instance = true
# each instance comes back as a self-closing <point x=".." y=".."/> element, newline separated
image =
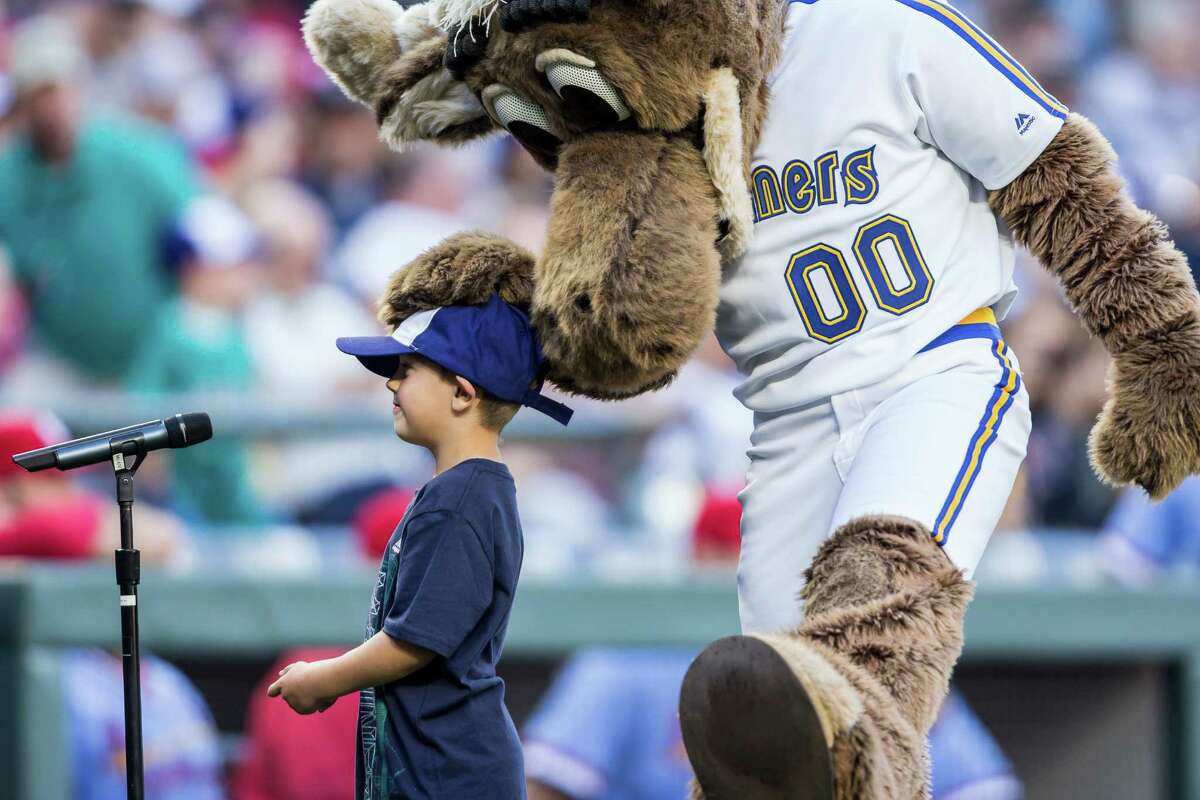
<point x="432" y="720"/>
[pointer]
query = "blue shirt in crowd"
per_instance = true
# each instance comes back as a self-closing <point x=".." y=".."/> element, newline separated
<point x="1144" y="539"/>
<point x="181" y="759"/>
<point x="446" y="584"/>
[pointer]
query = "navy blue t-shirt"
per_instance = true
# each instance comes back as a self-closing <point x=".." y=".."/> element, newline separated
<point x="446" y="583"/>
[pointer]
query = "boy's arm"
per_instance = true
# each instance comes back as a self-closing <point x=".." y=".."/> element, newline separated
<point x="381" y="659"/>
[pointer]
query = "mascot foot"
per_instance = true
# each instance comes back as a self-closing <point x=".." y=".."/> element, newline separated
<point x="589" y="101"/>
<point x="782" y="718"/>
<point x="839" y="707"/>
<point x="751" y="729"/>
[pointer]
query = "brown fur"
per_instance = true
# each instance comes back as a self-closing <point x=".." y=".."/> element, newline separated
<point x="390" y="60"/>
<point x="1131" y="288"/>
<point x="402" y="74"/>
<point x="352" y="41"/>
<point x="885" y="608"/>
<point x="907" y="641"/>
<point x="616" y="311"/>
<point x="869" y="558"/>
<point x="881" y="592"/>
<point x="462" y="270"/>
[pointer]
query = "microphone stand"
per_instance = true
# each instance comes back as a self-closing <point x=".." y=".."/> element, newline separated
<point x="128" y="575"/>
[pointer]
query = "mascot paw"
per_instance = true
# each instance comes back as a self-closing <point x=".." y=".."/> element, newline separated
<point x="517" y="15"/>
<point x="462" y="270"/>
<point x="1149" y="431"/>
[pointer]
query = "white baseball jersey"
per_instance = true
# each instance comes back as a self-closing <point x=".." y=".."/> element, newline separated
<point x="889" y="120"/>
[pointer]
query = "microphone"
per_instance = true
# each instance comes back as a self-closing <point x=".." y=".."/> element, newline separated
<point x="181" y="430"/>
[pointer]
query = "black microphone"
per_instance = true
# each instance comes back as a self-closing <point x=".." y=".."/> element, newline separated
<point x="181" y="430"/>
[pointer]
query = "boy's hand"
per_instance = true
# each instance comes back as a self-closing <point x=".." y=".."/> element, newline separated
<point x="296" y="685"/>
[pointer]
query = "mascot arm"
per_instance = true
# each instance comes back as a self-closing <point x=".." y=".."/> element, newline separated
<point x="391" y="59"/>
<point x="1131" y="288"/>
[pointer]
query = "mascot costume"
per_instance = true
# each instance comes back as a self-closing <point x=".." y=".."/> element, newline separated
<point x="836" y="186"/>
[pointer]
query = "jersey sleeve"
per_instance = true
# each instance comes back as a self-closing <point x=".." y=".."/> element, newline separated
<point x="443" y="583"/>
<point x="575" y="739"/>
<point x="975" y="103"/>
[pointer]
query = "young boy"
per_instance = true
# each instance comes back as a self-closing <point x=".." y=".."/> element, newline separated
<point x="432" y="720"/>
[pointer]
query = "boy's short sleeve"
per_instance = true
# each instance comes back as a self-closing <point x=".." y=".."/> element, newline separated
<point x="974" y="101"/>
<point x="443" y="583"/>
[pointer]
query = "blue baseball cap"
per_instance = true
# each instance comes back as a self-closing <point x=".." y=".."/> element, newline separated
<point x="491" y="345"/>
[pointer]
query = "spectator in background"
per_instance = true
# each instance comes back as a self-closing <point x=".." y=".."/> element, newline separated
<point x="196" y="344"/>
<point x="83" y="207"/>
<point x="286" y="756"/>
<point x="292" y="324"/>
<point x="14" y="316"/>
<point x="148" y="61"/>
<point x="517" y="206"/>
<point x="179" y="740"/>
<point x="1142" y="541"/>
<point x="1146" y="98"/>
<point x="1064" y="374"/>
<point x="608" y="726"/>
<point x="423" y="196"/>
<point x="343" y="160"/>
<point x="47" y="515"/>
<point x="700" y="451"/>
<point x="608" y="729"/>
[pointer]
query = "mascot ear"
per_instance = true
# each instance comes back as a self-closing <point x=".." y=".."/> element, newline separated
<point x="465" y="269"/>
<point x="389" y="58"/>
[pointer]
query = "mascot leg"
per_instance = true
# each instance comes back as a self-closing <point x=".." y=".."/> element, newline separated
<point x="839" y="707"/>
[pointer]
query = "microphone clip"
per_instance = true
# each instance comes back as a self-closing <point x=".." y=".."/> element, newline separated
<point x="135" y="447"/>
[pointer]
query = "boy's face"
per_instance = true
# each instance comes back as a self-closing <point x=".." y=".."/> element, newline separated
<point x="424" y="401"/>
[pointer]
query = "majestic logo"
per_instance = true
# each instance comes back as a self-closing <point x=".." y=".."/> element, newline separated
<point x="1025" y="122"/>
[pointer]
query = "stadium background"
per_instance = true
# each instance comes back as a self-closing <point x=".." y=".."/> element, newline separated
<point x="233" y="214"/>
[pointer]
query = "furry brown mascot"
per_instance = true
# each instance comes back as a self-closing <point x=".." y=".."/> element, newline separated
<point x="749" y="151"/>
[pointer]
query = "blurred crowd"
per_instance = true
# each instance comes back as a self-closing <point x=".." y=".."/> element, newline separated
<point x="180" y="185"/>
<point x="187" y="205"/>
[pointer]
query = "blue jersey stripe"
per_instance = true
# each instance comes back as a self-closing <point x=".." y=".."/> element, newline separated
<point x="971" y="330"/>
<point x="995" y="55"/>
<point x="982" y="455"/>
<point x="981" y="441"/>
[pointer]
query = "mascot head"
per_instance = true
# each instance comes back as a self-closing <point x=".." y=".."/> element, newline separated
<point x="646" y="111"/>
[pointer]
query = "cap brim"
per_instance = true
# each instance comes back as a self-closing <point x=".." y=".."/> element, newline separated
<point x="377" y="353"/>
